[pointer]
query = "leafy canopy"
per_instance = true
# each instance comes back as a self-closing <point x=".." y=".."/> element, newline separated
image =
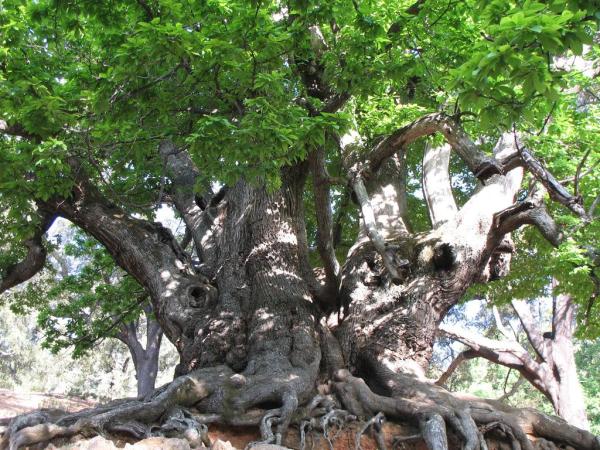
<point x="106" y="81"/>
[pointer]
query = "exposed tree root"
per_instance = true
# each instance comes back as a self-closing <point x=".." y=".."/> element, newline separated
<point x="171" y="412"/>
<point x="133" y="417"/>
<point x="375" y="423"/>
<point x="432" y="408"/>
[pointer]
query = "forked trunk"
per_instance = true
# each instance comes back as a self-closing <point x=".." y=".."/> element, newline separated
<point x="393" y="322"/>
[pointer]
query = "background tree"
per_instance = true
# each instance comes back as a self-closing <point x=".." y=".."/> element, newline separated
<point x="101" y="375"/>
<point x="112" y="109"/>
<point x="551" y="368"/>
<point x="464" y="370"/>
<point x="92" y="300"/>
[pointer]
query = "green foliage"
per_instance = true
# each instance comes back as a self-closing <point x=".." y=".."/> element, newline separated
<point x="512" y="66"/>
<point x="105" y="82"/>
<point x="568" y="147"/>
<point x="105" y="373"/>
<point x="86" y="305"/>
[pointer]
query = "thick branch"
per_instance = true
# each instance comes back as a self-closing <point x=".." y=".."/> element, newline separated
<point x="507" y="353"/>
<point x="556" y="190"/>
<point x="324" y="218"/>
<point x="199" y="212"/>
<point x="34" y="260"/>
<point x="436" y="184"/>
<point x="530" y="211"/>
<point x="183" y="175"/>
<point x="480" y="164"/>
<point x="146" y="250"/>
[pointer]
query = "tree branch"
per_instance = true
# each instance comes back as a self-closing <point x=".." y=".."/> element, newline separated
<point x="508" y="353"/>
<point x="186" y="239"/>
<point x="593" y="206"/>
<point x="127" y="334"/>
<point x="455" y="364"/>
<point x="530" y="211"/>
<point x="15" y="130"/>
<point x="400" y="163"/>
<point x="144" y="5"/>
<point x="513" y="389"/>
<point x="324" y="219"/>
<point x="183" y="175"/>
<point x="142" y="248"/>
<point x="34" y="260"/>
<point x="500" y="325"/>
<point x="556" y="190"/>
<point x="481" y="165"/>
<point x="338" y="225"/>
<point x="61" y="260"/>
<point x="533" y="333"/>
<point x="436" y="184"/>
<point x="371" y="227"/>
<point x="335" y="102"/>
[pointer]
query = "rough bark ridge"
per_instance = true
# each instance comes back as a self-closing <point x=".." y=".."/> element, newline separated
<point x="250" y="321"/>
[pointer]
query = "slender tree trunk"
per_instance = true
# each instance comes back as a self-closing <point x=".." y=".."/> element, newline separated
<point x="145" y="359"/>
<point x="146" y="370"/>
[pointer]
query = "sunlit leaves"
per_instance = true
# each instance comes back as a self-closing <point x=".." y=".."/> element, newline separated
<point x="514" y="63"/>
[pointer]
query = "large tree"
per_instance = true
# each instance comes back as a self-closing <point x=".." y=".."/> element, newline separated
<point x="270" y="128"/>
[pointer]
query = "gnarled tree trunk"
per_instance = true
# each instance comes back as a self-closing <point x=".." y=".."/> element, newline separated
<point x="252" y="324"/>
